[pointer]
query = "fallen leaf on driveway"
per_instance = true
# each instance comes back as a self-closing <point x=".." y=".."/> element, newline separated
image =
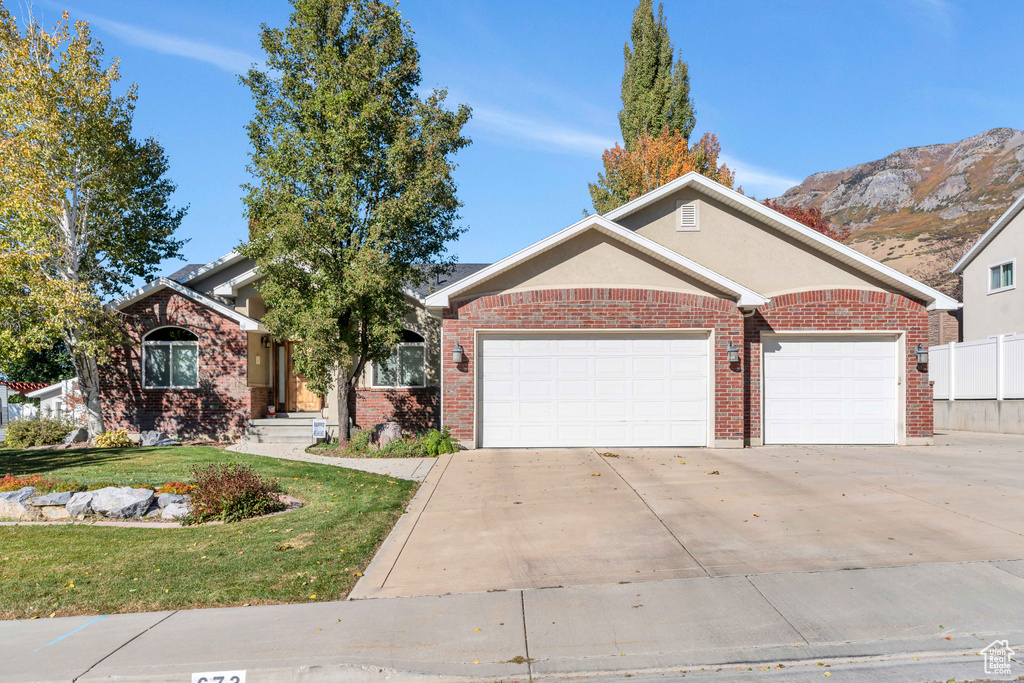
<point x="595" y="474"/>
<point x="714" y="472"/>
<point x="609" y="455"/>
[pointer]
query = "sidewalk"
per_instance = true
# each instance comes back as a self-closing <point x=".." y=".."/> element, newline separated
<point x="941" y="613"/>
<point x="415" y="469"/>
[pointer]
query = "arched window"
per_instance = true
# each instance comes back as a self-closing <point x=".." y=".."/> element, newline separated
<point x="170" y="359"/>
<point x="407" y="366"/>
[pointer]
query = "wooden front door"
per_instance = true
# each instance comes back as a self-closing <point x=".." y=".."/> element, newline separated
<point x="291" y="392"/>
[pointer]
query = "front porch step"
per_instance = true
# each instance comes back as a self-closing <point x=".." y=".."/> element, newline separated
<point x="276" y="438"/>
<point x="288" y="422"/>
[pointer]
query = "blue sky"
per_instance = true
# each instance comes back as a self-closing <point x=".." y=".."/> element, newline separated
<point x="789" y="87"/>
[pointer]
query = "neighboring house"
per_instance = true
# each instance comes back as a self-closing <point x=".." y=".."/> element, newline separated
<point x="692" y="316"/>
<point x="993" y="304"/>
<point x="201" y="363"/>
<point x="15" y="411"/>
<point x="61" y="399"/>
<point x="979" y="383"/>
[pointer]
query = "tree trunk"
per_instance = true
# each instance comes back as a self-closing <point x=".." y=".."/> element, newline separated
<point x="88" y="386"/>
<point x="342" y="382"/>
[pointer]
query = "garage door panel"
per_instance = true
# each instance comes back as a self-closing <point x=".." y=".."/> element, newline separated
<point x="599" y="390"/>
<point x="838" y="391"/>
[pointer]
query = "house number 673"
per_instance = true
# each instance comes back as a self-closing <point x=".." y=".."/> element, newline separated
<point x="219" y="677"/>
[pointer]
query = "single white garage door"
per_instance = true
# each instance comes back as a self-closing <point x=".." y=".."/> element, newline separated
<point x="830" y="390"/>
<point x="593" y="390"/>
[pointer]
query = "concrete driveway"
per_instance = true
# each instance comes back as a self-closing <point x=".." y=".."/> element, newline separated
<point x="491" y="520"/>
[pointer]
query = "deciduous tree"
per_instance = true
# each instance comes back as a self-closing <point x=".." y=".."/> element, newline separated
<point x="652" y="162"/>
<point x="812" y="218"/>
<point x="83" y="205"/>
<point x="354" y="190"/>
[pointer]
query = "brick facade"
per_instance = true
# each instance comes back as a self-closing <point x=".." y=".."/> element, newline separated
<point x="218" y="408"/>
<point x="416" y="408"/>
<point x="944" y="327"/>
<point x="841" y="310"/>
<point x="737" y="388"/>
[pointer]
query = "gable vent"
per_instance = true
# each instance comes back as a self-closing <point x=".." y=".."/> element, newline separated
<point x="688" y="218"/>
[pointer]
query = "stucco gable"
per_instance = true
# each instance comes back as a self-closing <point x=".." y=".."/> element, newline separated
<point x="592" y="252"/>
<point x="760" y="248"/>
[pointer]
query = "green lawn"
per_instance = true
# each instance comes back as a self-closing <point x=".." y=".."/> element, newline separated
<point x="311" y="554"/>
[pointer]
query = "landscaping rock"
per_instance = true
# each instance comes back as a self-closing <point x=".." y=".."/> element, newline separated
<point x="54" y="512"/>
<point x="57" y="498"/>
<point x="121" y="502"/>
<point x="154" y="438"/>
<point x="80" y="503"/>
<point x="11" y="509"/>
<point x="174" y="511"/>
<point x="154" y="513"/>
<point x="385" y="433"/>
<point x="166" y="499"/>
<point x="19" y="496"/>
<point x="76" y="436"/>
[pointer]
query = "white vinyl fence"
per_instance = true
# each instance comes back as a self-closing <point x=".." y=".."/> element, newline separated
<point x="987" y="368"/>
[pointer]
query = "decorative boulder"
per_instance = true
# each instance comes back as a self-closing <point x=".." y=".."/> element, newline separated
<point x="166" y="499"/>
<point x="13" y="503"/>
<point x="121" y="502"/>
<point x="56" y="498"/>
<point x="79" y="435"/>
<point x="385" y="433"/>
<point x="19" y="496"/>
<point x="54" y="512"/>
<point x="80" y="503"/>
<point x="154" y="438"/>
<point x="174" y="511"/>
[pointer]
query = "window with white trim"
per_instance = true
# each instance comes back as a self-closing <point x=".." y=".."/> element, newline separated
<point x="407" y="366"/>
<point x="1001" y="276"/>
<point x="170" y="359"/>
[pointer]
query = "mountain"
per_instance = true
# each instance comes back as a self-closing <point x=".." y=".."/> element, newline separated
<point x="919" y="208"/>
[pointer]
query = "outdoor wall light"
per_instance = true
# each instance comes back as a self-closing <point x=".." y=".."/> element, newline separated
<point x="733" y="353"/>
<point x="458" y="353"/>
<point x="265" y="340"/>
<point x="922" y="354"/>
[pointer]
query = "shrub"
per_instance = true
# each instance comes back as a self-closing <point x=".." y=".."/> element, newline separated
<point x="359" y="441"/>
<point x="231" y="492"/>
<point x="117" y="438"/>
<point x="10" y="482"/>
<point x="437" y="442"/>
<point x="410" y="446"/>
<point x="44" y="431"/>
<point x="176" y="487"/>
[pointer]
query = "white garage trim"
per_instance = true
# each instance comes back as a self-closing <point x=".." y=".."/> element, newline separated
<point x="898" y="338"/>
<point x="481" y="333"/>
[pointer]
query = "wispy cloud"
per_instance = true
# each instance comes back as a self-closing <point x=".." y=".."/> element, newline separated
<point x="760" y="181"/>
<point x="544" y="134"/>
<point x="232" y="61"/>
<point x="938" y="14"/>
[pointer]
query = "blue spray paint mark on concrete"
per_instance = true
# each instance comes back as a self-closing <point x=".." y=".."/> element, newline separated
<point x="73" y="631"/>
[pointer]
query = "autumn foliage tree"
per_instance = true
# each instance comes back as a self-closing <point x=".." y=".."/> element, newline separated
<point x="652" y="162"/>
<point x="812" y="218"/>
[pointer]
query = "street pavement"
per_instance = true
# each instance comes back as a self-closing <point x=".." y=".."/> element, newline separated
<point x="868" y="623"/>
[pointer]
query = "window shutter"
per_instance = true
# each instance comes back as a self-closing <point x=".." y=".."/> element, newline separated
<point x="688" y="220"/>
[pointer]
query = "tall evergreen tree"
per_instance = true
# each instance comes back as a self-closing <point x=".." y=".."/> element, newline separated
<point x="655" y="90"/>
<point x="354" y="188"/>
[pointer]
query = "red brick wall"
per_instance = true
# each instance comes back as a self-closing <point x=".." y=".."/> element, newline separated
<point x="259" y="399"/>
<point x="737" y="388"/>
<point x="841" y="310"/>
<point x="218" y="408"/>
<point x="591" y="308"/>
<point x="416" y="408"/>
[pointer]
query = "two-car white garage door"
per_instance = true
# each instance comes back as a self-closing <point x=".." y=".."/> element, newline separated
<point x="635" y="389"/>
<point x="593" y="390"/>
